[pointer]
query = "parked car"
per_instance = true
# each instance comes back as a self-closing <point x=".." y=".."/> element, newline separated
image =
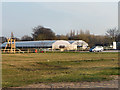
<point x="96" y="49"/>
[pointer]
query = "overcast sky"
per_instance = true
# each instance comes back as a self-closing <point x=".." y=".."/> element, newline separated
<point x="61" y="17"/>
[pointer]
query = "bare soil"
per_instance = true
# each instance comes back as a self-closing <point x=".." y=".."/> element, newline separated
<point x="102" y="84"/>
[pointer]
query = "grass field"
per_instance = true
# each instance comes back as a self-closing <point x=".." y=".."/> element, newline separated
<point x="24" y="69"/>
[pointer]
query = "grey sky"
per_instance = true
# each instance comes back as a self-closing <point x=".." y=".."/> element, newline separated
<point x="21" y="17"/>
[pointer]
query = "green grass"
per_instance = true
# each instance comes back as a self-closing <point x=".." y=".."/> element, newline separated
<point x="24" y="69"/>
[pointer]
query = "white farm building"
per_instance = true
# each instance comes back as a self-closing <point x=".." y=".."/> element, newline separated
<point x="63" y="45"/>
<point x="80" y="43"/>
<point x="51" y="44"/>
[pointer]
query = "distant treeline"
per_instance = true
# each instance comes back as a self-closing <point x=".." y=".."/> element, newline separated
<point x="42" y="33"/>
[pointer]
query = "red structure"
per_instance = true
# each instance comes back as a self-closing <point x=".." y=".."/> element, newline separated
<point x="35" y="50"/>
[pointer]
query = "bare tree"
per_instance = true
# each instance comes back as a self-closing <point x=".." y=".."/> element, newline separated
<point x="26" y="38"/>
<point x="12" y="36"/>
<point x="42" y="33"/>
<point x="3" y="39"/>
<point x="112" y="33"/>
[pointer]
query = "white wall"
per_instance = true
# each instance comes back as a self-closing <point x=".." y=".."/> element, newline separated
<point x="114" y="45"/>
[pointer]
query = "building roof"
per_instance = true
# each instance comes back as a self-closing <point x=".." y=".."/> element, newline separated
<point x="32" y="44"/>
<point x="39" y="44"/>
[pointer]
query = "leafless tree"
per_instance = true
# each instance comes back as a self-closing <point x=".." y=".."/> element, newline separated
<point x="26" y="38"/>
<point x="112" y="33"/>
<point x="42" y="33"/>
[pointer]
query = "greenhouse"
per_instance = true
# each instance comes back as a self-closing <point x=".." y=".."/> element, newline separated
<point x="53" y="44"/>
<point x="32" y="44"/>
<point x="80" y="43"/>
<point x="63" y="45"/>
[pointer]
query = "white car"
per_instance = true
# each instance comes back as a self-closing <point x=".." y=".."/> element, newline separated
<point x="96" y="49"/>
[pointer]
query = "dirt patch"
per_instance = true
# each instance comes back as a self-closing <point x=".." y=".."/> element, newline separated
<point x="102" y="84"/>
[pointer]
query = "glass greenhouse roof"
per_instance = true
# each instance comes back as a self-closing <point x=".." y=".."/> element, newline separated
<point x="32" y="43"/>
